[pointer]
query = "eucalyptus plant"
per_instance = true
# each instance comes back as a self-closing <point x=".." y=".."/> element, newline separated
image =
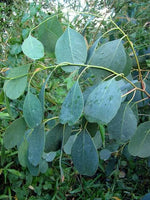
<point x="108" y="105"/>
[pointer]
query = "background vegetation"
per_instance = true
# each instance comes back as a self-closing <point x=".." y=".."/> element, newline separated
<point x="119" y="177"/>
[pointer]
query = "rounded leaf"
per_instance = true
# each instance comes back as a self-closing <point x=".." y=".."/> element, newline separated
<point x="15" y="86"/>
<point x="33" y="48"/>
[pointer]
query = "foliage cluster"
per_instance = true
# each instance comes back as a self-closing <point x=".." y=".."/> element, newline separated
<point x="76" y="99"/>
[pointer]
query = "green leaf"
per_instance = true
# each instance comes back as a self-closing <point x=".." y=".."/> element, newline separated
<point x="49" y="157"/>
<point x="128" y="65"/>
<point x="66" y="133"/>
<point x="92" y="50"/>
<point x="42" y="91"/>
<point x="139" y="144"/>
<point x="72" y="107"/>
<point x="43" y="166"/>
<point x="103" y="103"/>
<point x="102" y="132"/>
<point x="32" y="110"/>
<point x="36" y="142"/>
<point x="111" y="55"/>
<point x="123" y="125"/>
<point x="97" y="139"/>
<point x="14" y="133"/>
<point x="69" y="144"/>
<point x="105" y="154"/>
<point x="33" y="48"/>
<point x="71" y="47"/>
<point x="4" y="116"/>
<point x="34" y="171"/>
<point x="92" y="128"/>
<point x="84" y="154"/>
<point x="15" y="49"/>
<point x="54" y="138"/>
<point x="9" y="110"/>
<point x="22" y="153"/>
<point x="15" y="172"/>
<point x="48" y="34"/>
<point x="15" y="86"/>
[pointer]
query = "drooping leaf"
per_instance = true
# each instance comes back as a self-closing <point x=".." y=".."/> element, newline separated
<point x="32" y="110"/>
<point x="103" y="103"/>
<point x="123" y="125"/>
<point x="36" y="140"/>
<point x="72" y="107"/>
<point x="54" y="138"/>
<point x="139" y="143"/>
<point x="33" y="48"/>
<point x="48" y="34"/>
<point x="71" y="47"/>
<point x="22" y="153"/>
<point x="14" y="133"/>
<point x="15" y="86"/>
<point x="84" y="154"/>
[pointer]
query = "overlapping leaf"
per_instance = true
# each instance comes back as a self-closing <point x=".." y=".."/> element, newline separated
<point x="139" y="144"/>
<point x="48" y="34"/>
<point x="71" y="47"/>
<point x="111" y="55"/>
<point x="72" y="107"/>
<point x="123" y="125"/>
<point x="56" y="136"/>
<point x="33" y="48"/>
<point x="84" y="154"/>
<point x="103" y="103"/>
<point x="36" y="141"/>
<point x="14" y="133"/>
